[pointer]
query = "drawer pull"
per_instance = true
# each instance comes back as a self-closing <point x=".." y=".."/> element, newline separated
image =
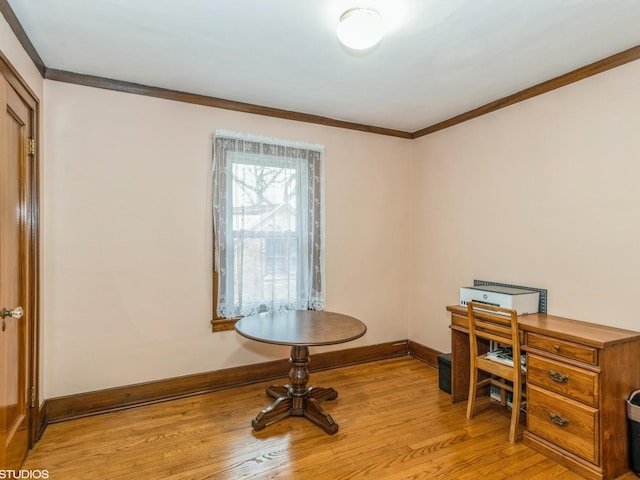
<point x="556" y="347"/>
<point x="558" y="377"/>
<point x="558" y="420"/>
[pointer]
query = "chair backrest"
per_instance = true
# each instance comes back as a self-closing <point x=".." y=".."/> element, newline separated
<point x="493" y="323"/>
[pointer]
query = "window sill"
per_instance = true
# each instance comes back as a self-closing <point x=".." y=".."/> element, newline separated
<point x="222" y="324"/>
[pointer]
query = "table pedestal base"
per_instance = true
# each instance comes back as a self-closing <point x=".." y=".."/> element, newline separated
<point x="296" y="399"/>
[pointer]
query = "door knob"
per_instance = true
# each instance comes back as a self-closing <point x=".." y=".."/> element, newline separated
<point x="15" y="313"/>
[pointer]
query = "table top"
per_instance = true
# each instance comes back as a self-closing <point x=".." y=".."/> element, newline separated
<point x="301" y="327"/>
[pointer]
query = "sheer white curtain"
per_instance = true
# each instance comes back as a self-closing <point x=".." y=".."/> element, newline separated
<point x="268" y="210"/>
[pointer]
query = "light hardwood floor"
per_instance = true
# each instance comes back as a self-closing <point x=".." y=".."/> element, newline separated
<point x="394" y="424"/>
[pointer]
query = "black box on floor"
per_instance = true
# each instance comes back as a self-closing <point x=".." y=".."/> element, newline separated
<point x="444" y="372"/>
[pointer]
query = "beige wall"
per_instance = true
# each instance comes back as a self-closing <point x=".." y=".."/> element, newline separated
<point x="544" y="193"/>
<point x="127" y="250"/>
<point x="126" y="222"/>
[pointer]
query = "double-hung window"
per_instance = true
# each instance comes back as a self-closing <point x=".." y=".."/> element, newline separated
<point x="268" y="225"/>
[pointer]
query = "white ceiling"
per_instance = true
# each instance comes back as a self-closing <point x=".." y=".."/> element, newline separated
<point x="438" y="59"/>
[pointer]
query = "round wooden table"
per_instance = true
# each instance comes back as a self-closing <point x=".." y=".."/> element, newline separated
<point x="300" y="329"/>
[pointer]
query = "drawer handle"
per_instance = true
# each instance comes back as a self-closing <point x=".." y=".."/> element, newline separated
<point x="558" y="420"/>
<point x="558" y="377"/>
<point x="556" y="347"/>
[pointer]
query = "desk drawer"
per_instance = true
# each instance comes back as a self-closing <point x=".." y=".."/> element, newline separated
<point x="573" y="382"/>
<point x="566" y="423"/>
<point x="565" y="348"/>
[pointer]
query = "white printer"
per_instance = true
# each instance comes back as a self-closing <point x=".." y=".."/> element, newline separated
<point x="521" y="300"/>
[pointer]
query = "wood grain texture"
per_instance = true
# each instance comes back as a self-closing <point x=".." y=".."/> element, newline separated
<point x="573" y="426"/>
<point x="557" y="346"/>
<point x="615" y="390"/>
<point x="301" y="327"/>
<point x="223" y="324"/>
<point x="578" y="384"/>
<point x="489" y="323"/>
<point x="30" y="185"/>
<point x="566" y="329"/>
<point x="582" y="424"/>
<point x="597" y="435"/>
<point x="91" y="403"/>
<point x="403" y="427"/>
<point x="18" y="83"/>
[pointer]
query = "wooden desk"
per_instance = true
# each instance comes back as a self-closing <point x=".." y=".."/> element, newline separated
<point x="579" y="376"/>
<point x="300" y="329"/>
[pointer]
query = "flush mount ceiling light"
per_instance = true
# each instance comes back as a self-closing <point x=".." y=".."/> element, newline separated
<point x="360" y="28"/>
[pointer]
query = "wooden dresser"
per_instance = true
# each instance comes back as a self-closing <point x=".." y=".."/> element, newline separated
<point x="579" y="376"/>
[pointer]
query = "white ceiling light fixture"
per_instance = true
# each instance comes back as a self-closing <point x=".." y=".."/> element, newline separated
<point x="360" y="28"/>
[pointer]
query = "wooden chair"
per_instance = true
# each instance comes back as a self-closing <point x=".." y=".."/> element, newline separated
<point x="498" y="325"/>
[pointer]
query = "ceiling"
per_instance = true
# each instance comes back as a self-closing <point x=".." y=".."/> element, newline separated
<point x="438" y="59"/>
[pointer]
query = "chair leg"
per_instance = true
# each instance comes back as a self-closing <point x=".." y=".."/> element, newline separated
<point x="516" y="404"/>
<point x="473" y="384"/>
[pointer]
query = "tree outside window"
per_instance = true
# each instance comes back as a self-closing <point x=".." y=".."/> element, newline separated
<point x="268" y="225"/>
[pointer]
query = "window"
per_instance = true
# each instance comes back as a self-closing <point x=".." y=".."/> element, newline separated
<point x="268" y="225"/>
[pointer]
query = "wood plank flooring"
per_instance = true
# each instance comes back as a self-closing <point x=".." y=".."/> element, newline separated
<point x="394" y="424"/>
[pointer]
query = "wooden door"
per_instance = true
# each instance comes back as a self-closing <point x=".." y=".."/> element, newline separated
<point x="15" y="354"/>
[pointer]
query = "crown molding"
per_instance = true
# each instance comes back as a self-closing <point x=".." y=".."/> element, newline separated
<point x="600" y="66"/>
<point x="581" y="73"/>
<point x="19" y="32"/>
<point x="138" y="89"/>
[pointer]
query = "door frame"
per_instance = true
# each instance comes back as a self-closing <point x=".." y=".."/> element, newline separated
<point x="31" y="281"/>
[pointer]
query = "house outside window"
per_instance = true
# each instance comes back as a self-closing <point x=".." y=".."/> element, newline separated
<point x="268" y="225"/>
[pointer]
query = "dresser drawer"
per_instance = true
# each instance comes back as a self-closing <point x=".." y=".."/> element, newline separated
<point x="565" y="348"/>
<point x="566" y="423"/>
<point x="573" y="382"/>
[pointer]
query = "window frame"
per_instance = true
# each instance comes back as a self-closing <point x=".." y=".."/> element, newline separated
<point x="224" y="324"/>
